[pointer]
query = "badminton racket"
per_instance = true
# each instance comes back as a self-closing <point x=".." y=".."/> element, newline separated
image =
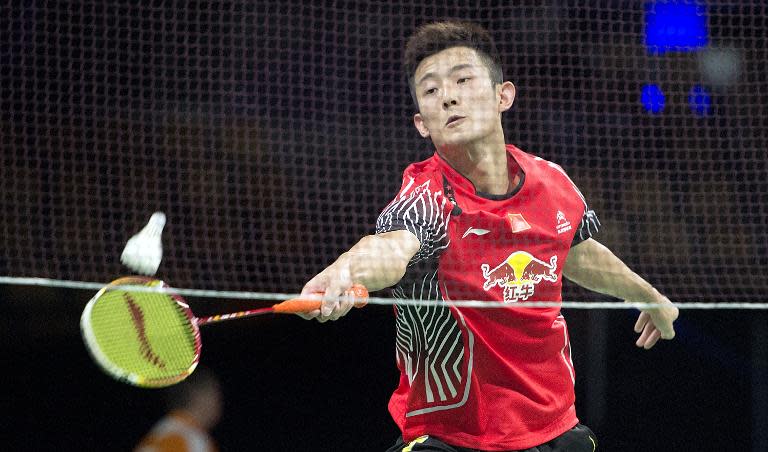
<point x="152" y="339"/>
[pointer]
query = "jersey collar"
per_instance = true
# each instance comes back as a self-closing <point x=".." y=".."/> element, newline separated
<point x="460" y="182"/>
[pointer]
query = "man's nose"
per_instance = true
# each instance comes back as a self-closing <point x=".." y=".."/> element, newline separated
<point x="450" y="101"/>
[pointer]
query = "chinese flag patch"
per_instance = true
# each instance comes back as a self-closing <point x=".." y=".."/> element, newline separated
<point x="517" y="222"/>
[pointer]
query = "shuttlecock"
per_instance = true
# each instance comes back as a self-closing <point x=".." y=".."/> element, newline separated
<point x="144" y="251"/>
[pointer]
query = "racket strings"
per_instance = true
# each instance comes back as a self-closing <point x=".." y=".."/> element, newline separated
<point x="150" y="335"/>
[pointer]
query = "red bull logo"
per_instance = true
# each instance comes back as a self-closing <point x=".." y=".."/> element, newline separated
<point x="518" y="275"/>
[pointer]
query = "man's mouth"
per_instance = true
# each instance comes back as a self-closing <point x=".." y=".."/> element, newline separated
<point x="453" y="119"/>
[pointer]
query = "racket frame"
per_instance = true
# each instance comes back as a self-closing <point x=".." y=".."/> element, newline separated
<point x="118" y="372"/>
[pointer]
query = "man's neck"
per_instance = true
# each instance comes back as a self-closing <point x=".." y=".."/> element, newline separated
<point x="484" y="164"/>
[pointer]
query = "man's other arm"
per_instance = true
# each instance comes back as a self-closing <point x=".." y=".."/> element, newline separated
<point x="595" y="267"/>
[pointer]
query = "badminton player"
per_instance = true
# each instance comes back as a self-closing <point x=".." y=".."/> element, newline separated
<point x="482" y="220"/>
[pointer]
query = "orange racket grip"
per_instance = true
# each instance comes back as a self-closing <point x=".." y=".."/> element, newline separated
<point x="297" y="305"/>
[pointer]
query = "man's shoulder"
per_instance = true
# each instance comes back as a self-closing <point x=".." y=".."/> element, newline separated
<point x="424" y="173"/>
<point x="531" y="161"/>
<point x="526" y="157"/>
<point x="425" y="168"/>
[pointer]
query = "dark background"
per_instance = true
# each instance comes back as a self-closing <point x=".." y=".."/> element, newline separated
<point x="292" y="385"/>
<point x="272" y="133"/>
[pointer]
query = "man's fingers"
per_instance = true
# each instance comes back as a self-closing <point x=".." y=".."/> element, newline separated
<point x="327" y="307"/>
<point x="343" y="307"/>
<point x="335" y="302"/>
<point x="340" y="310"/>
<point x="656" y="324"/>
<point x="337" y="312"/>
<point x="647" y="330"/>
<point x="309" y="315"/>
<point x="333" y="306"/>
<point x="651" y="334"/>
<point x="642" y="320"/>
<point x="652" y="339"/>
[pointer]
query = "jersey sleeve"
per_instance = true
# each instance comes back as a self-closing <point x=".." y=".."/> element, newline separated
<point x="590" y="224"/>
<point x="421" y="209"/>
<point x="588" y="227"/>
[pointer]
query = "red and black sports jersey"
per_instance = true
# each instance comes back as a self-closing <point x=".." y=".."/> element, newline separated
<point x="491" y="379"/>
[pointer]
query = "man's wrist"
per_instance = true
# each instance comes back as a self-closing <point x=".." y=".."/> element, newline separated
<point x="647" y="296"/>
<point x="657" y="297"/>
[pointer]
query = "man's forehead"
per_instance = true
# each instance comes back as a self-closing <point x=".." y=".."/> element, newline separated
<point x="447" y="59"/>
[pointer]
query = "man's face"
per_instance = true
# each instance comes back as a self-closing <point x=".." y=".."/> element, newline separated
<point x="458" y="102"/>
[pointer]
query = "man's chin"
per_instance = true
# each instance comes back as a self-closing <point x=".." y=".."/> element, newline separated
<point x="457" y="141"/>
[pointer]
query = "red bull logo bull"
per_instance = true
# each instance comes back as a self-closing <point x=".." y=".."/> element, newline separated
<point x="518" y="275"/>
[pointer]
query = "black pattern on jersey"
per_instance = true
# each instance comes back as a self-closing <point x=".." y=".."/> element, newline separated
<point x="589" y="226"/>
<point x="419" y="210"/>
<point x="428" y="342"/>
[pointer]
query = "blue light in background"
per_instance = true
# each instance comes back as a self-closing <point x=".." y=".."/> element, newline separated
<point x="675" y="25"/>
<point x="700" y="101"/>
<point x="652" y="99"/>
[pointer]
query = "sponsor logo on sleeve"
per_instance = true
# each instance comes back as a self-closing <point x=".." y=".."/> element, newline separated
<point x="563" y="225"/>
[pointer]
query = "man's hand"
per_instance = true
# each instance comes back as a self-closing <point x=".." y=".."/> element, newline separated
<point x="656" y="323"/>
<point x="332" y="284"/>
<point x="376" y="261"/>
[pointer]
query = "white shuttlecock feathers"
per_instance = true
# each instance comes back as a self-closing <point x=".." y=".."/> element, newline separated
<point x="144" y="251"/>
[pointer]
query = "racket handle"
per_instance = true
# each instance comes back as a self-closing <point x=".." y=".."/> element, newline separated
<point x="297" y="305"/>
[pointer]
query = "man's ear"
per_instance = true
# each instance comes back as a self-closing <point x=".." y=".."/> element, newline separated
<point x="506" y="96"/>
<point x="418" y="121"/>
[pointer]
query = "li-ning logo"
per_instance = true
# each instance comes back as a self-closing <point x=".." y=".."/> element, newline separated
<point x="518" y="275"/>
<point x="475" y="231"/>
<point x="138" y="321"/>
<point x="563" y="225"/>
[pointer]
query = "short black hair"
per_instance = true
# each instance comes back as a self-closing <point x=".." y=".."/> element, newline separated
<point x="435" y="37"/>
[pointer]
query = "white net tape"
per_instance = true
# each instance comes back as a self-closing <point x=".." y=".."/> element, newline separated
<point x="264" y="296"/>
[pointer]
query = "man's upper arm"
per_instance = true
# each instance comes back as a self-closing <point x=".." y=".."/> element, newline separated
<point x="421" y="210"/>
<point x="586" y="258"/>
<point x="381" y="260"/>
<point x="577" y="256"/>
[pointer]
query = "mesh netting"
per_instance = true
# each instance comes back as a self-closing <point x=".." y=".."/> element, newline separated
<point x="273" y="133"/>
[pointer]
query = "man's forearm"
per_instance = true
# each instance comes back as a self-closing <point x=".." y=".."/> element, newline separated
<point x="378" y="261"/>
<point x="597" y="268"/>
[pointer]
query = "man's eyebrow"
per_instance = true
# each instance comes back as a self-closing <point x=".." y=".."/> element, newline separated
<point x="458" y="67"/>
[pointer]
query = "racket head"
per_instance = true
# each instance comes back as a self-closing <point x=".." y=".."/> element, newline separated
<point x="147" y="339"/>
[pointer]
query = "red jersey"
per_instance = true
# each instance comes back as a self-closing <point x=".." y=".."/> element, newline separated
<point x="490" y="379"/>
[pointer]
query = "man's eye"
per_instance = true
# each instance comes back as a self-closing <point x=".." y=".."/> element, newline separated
<point x="430" y="91"/>
<point x="463" y="80"/>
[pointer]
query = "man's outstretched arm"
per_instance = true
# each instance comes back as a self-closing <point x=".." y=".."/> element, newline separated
<point x="376" y="261"/>
<point x="595" y="267"/>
